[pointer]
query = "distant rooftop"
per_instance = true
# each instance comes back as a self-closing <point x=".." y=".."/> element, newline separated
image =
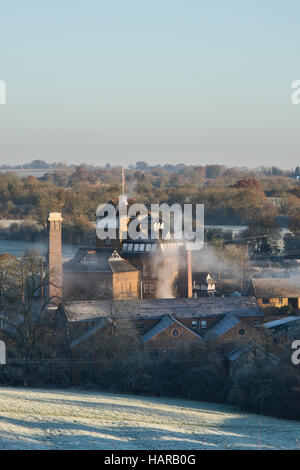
<point x="276" y="287"/>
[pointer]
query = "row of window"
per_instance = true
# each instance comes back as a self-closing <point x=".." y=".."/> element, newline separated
<point x="150" y="246"/>
<point x="129" y="287"/>
<point x="149" y="288"/>
<point x="139" y="247"/>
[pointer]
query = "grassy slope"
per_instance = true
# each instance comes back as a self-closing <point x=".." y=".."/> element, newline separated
<point x="43" y="419"/>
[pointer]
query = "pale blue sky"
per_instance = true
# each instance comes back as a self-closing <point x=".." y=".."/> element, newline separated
<point x="164" y="81"/>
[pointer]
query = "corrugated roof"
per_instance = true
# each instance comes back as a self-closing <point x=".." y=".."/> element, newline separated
<point x="281" y="322"/>
<point x="222" y="327"/>
<point x="276" y="287"/>
<point x="157" y="308"/>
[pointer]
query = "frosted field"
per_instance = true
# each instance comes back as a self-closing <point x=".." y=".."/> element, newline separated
<point x="42" y="419"/>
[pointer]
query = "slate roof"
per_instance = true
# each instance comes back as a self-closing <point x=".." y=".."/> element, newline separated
<point x="157" y="308"/>
<point x="100" y="324"/>
<point x="281" y="322"/>
<point x="240" y="351"/>
<point x="164" y="323"/>
<point x="103" y="261"/>
<point x="222" y="327"/>
<point x="158" y="328"/>
<point x="276" y="287"/>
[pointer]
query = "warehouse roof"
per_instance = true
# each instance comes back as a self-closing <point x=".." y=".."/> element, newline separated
<point x="157" y="308"/>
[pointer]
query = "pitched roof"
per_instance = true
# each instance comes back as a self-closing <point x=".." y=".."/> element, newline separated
<point x="99" y="325"/>
<point x="276" y="287"/>
<point x="281" y="322"/>
<point x="157" y="308"/>
<point x="242" y="350"/>
<point x="158" y="328"/>
<point x="222" y="327"/>
<point x="164" y="323"/>
<point x="202" y="277"/>
<point x="96" y="259"/>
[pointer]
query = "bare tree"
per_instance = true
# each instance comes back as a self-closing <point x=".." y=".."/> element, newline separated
<point x="25" y="306"/>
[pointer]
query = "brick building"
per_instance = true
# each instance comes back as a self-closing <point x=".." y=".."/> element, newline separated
<point x="276" y="292"/>
<point x="97" y="272"/>
<point x="55" y="256"/>
<point x="151" y="256"/>
<point x="165" y="324"/>
<point x="121" y="268"/>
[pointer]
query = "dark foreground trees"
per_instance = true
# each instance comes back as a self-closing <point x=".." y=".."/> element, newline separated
<point x="262" y="389"/>
<point x="25" y="316"/>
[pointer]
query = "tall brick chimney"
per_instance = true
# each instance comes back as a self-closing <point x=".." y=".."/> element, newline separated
<point x="55" y="255"/>
<point x="185" y="273"/>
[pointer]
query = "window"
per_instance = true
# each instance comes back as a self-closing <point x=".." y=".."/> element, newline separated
<point x="152" y="288"/>
<point x="256" y="322"/>
<point x="114" y="256"/>
<point x="194" y="324"/>
<point x="241" y="332"/>
<point x="142" y="246"/>
<point x="141" y="326"/>
<point x="148" y="247"/>
<point x="146" y="288"/>
<point x="280" y="300"/>
<point x="265" y="300"/>
<point x="130" y="246"/>
<point x="175" y="333"/>
<point x="125" y="245"/>
<point x="136" y="247"/>
<point x="90" y="258"/>
<point x="203" y="324"/>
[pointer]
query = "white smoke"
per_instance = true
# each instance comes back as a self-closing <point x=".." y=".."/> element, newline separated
<point x="165" y="269"/>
